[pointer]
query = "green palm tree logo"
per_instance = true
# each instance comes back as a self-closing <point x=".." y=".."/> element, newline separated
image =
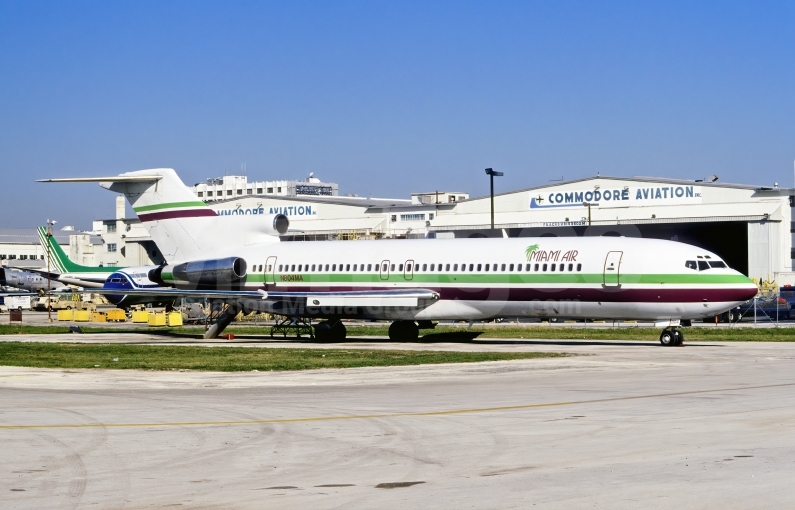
<point x="529" y="251"/>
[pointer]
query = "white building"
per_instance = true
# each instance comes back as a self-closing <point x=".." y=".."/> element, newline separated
<point x="234" y="186"/>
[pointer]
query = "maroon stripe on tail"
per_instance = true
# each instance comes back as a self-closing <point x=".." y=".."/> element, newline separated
<point x="185" y="213"/>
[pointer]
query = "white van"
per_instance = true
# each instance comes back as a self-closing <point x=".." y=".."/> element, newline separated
<point x="17" y="302"/>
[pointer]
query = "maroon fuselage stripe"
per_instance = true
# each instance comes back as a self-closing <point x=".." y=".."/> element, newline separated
<point x="167" y="215"/>
<point x="607" y="295"/>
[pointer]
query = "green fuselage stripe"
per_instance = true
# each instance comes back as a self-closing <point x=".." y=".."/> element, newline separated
<point x="171" y="205"/>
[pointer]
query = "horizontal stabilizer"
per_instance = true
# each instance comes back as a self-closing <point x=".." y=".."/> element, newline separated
<point x="114" y="178"/>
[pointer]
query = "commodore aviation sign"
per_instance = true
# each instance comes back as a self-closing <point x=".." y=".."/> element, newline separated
<point x="290" y="210"/>
<point x="622" y="197"/>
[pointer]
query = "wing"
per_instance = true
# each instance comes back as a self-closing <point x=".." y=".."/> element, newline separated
<point x="381" y="298"/>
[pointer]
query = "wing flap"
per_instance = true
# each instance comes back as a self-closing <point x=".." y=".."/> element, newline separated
<point x="380" y="298"/>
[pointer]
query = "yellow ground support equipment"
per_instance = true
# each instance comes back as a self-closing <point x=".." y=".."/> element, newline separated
<point x="116" y="315"/>
<point x="174" y="319"/>
<point x="157" y="319"/>
<point x="65" y="315"/>
<point x="82" y="316"/>
<point x="140" y="316"/>
<point x="99" y="317"/>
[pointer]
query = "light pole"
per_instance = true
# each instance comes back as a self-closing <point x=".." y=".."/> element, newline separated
<point x="588" y="205"/>
<point x="49" y="282"/>
<point x="492" y="174"/>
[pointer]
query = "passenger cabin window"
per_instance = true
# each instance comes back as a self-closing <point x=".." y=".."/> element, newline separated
<point x="579" y="267"/>
<point x="455" y="267"/>
<point x="478" y="267"/>
<point x="400" y="267"/>
<point x="280" y="268"/>
<point x="545" y="267"/>
<point x="691" y="264"/>
<point x="425" y="267"/>
<point x="447" y="268"/>
<point x="432" y="266"/>
<point x="487" y="267"/>
<point x="510" y="268"/>
<point x="369" y="267"/>
<point x="571" y="267"/>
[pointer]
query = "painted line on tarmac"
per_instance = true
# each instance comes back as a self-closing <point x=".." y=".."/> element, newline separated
<point x="448" y="412"/>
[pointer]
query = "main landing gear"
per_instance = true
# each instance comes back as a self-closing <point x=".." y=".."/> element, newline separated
<point x="330" y="331"/>
<point x="404" y="331"/>
<point x="672" y="337"/>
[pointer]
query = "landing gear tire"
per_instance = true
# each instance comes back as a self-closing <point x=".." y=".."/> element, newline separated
<point x="679" y="337"/>
<point x="404" y="331"/>
<point x="672" y="337"/>
<point x="330" y="331"/>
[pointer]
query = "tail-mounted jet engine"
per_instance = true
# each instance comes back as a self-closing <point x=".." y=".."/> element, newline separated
<point x="205" y="274"/>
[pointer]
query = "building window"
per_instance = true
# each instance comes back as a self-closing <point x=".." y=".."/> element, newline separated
<point x="111" y="227"/>
<point x="270" y="190"/>
<point x="23" y="257"/>
<point x="111" y="247"/>
<point x="451" y="198"/>
<point x="279" y="190"/>
<point x="201" y="194"/>
<point x="412" y="217"/>
<point x="209" y="194"/>
<point x="394" y="217"/>
<point x="240" y="192"/>
<point x="228" y="192"/>
<point x="430" y="216"/>
<point x="41" y="257"/>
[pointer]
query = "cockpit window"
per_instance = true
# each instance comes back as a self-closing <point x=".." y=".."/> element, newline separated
<point x="691" y="264"/>
<point x="717" y="263"/>
<point x="702" y="265"/>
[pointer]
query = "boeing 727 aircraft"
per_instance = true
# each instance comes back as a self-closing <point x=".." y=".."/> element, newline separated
<point x="414" y="282"/>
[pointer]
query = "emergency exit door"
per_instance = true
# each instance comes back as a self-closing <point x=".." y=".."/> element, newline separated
<point x="612" y="270"/>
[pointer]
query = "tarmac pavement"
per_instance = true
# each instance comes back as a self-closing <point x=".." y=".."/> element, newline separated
<point x="620" y="425"/>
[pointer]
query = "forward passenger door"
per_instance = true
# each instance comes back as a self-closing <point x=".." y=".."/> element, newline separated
<point x="611" y="274"/>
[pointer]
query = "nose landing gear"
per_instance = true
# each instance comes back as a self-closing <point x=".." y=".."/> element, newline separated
<point x="672" y="337"/>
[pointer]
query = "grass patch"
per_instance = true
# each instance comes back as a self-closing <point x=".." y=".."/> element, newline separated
<point x="230" y="359"/>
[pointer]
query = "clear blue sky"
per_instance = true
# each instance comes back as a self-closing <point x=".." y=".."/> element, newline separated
<point x="387" y="98"/>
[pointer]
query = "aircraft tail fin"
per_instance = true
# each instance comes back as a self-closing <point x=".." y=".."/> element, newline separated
<point x="59" y="260"/>
<point x="182" y="225"/>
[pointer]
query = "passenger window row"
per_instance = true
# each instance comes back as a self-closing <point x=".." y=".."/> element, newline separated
<point x="472" y="268"/>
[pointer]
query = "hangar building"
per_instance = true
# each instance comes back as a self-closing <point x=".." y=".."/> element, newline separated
<point x="748" y="226"/>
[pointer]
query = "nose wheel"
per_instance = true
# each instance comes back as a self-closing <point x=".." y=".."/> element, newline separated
<point x="672" y="337"/>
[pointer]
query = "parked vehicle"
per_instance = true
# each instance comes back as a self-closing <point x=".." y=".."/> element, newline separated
<point x="773" y="308"/>
<point x="41" y="303"/>
<point x="17" y="302"/>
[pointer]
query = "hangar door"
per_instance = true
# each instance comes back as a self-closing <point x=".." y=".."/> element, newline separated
<point x="612" y="268"/>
